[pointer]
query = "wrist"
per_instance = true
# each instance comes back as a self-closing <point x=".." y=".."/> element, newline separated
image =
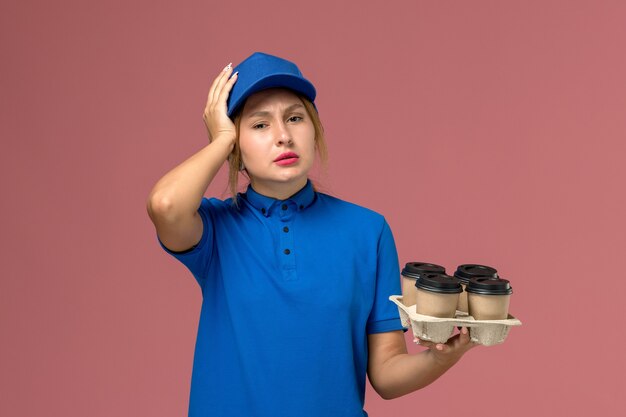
<point x="227" y="141"/>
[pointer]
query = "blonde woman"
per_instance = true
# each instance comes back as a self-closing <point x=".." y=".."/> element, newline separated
<point x="295" y="282"/>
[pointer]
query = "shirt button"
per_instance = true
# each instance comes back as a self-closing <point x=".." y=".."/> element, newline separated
<point x="287" y="251"/>
<point x="263" y="210"/>
<point x="284" y="207"/>
<point x="285" y="229"/>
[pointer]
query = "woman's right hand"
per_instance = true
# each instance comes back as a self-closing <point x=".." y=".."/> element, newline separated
<point x="218" y="124"/>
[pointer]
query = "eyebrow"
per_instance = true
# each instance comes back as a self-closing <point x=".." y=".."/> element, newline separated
<point x="264" y="113"/>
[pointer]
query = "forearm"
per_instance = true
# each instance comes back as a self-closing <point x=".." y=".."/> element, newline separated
<point x="180" y="191"/>
<point x="405" y="373"/>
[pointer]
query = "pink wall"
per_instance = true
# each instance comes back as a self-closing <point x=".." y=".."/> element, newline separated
<point x="485" y="131"/>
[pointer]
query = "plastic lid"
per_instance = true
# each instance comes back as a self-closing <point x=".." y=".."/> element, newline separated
<point x="439" y="283"/>
<point x="467" y="271"/>
<point x="489" y="286"/>
<point x="416" y="269"/>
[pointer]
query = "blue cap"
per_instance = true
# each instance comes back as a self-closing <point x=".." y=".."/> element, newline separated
<point x="261" y="71"/>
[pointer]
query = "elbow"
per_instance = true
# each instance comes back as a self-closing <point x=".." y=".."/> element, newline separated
<point x="393" y="389"/>
<point x="386" y="396"/>
<point x="160" y="206"/>
<point x="386" y="393"/>
<point x="391" y="395"/>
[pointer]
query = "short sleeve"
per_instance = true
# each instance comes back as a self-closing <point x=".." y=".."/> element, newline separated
<point x="384" y="316"/>
<point x="197" y="258"/>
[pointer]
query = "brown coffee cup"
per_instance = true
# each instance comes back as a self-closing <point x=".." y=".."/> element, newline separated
<point x="489" y="298"/>
<point x="437" y="295"/>
<point x="466" y="272"/>
<point x="411" y="272"/>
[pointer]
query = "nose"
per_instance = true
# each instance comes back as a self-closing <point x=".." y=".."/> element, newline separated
<point x="283" y="135"/>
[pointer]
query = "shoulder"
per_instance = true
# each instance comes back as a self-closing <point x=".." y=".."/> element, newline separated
<point x="347" y="206"/>
<point x="216" y="207"/>
<point x="351" y="211"/>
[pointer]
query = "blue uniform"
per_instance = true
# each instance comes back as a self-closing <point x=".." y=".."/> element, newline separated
<point x="291" y="289"/>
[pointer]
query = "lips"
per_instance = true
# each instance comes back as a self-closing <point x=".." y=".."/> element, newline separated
<point x="286" y="159"/>
<point x="286" y="155"/>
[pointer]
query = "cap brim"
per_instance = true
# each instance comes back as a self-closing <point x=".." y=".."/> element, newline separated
<point x="289" y="81"/>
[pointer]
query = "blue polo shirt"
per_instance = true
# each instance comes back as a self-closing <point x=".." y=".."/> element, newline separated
<point x="291" y="289"/>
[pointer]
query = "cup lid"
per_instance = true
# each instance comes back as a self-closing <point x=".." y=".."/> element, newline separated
<point x="489" y="286"/>
<point x="416" y="269"/>
<point x="467" y="271"/>
<point x="439" y="283"/>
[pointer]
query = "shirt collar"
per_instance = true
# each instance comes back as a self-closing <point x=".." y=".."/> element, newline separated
<point x="302" y="199"/>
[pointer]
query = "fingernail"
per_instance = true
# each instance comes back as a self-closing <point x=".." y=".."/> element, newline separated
<point x="439" y="347"/>
<point x="227" y="67"/>
<point x="234" y="75"/>
<point x="464" y="330"/>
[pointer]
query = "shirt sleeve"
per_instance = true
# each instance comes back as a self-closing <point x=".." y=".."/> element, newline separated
<point x="384" y="316"/>
<point x="197" y="258"/>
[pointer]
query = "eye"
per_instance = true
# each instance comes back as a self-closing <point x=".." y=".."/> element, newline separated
<point x="295" y="119"/>
<point x="259" y="126"/>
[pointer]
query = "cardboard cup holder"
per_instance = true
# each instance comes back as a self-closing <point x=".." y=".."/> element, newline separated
<point x="439" y="330"/>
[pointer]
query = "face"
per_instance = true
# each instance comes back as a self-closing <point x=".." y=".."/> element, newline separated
<point x="277" y="142"/>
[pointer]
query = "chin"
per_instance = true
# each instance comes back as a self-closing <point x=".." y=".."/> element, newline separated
<point x="293" y="176"/>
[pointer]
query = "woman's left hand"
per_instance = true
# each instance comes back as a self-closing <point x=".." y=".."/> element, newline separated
<point x="450" y="352"/>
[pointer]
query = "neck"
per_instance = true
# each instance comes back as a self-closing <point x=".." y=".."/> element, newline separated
<point x="279" y="191"/>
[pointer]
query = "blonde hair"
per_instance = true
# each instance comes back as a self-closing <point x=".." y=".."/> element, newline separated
<point x="235" y="161"/>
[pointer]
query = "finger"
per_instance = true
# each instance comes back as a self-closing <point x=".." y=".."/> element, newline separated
<point x="442" y="347"/>
<point x="224" y="93"/>
<point x="223" y="79"/>
<point x="464" y="336"/>
<point x="425" y="343"/>
<point x="216" y="82"/>
<point x="422" y="342"/>
<point x="453" y="340"/>
<point x="466" y="339"/>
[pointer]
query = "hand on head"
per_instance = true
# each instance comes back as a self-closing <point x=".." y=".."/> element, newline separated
<point x="215" y="116"/>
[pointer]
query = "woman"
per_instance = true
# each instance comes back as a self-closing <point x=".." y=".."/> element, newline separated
<point x="295" y="283"/>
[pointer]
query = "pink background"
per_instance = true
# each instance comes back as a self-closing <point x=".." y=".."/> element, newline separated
<point x="485" y="131"/>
